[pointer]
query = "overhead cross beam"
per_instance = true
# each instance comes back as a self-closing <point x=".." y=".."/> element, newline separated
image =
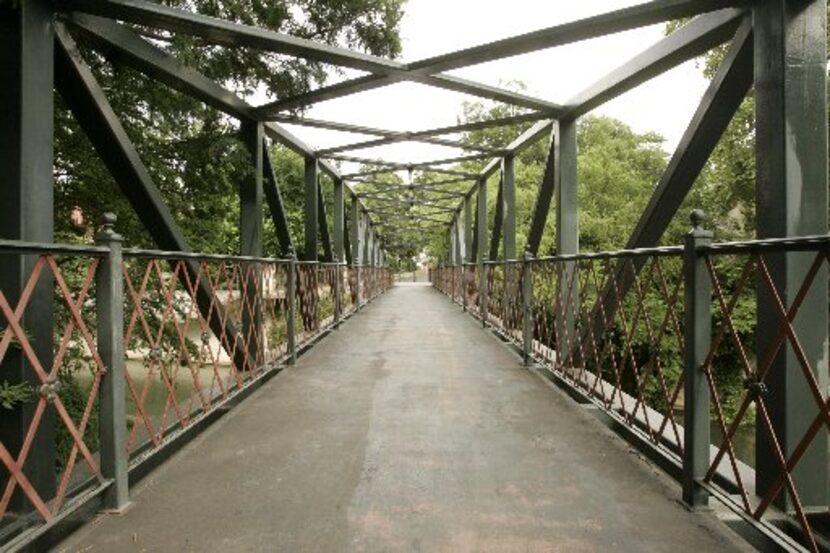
<point x="391" y="137"/>
<point x="424" y="70"/>
<point x="693" y="39"/>
<point x="126" y="47"/>
<point x="228" y="33"/>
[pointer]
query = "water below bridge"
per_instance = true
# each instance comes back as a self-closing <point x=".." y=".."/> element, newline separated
<point x="408" y="429"/>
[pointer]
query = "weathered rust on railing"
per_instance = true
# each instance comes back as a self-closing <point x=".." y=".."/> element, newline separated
<point x="193" y="331"/>
<point x="614" y="327"/>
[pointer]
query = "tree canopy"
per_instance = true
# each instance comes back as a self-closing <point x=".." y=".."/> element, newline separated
<point x="190" y="149"/>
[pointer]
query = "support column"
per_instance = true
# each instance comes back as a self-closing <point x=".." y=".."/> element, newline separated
<point x="26" y="158"/>
<point x="250" y="241"/>
<point x="468" y="230"/>
<point x="354" y="230"/>
<point x="791" y="142"/>
<point x="567" y="233"/>
<point x="482" y="240"/>
<point x="508" y="196"/>
<point x="367" y="241"/>
<point x="312" y="186"/>
<point x="339" y="220"/>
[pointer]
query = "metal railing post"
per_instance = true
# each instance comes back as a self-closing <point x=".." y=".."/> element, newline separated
<point x="482" y="294"/>
<point x="527" y="307"/>
<point x="698" y="331"/>
<point x="338" y="278"/>
<point x="109" y="295"/>
<point x="291" y="293"/>
<point x="358" y="277"/>
<point x="464" y="287"/>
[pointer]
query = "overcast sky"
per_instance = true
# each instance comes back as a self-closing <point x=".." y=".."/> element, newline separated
<point x="431" y="27"/>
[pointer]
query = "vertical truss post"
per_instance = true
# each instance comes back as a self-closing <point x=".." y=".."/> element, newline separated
<point x="26" y="158"/>
<point x="527" y="308"/>
<point x="509" y="210"/>
<point x="109" y="305"/>
<point x="312" y="186"/>
<point x="339" y="220"/>
<point x="567" y="232"/>
<point x="508" y="195"/>
<point x="482" y="239"/>
<point x="468" y="230"/>
<point x="459" y="238"/>
<point x="354" y="230"/>
<point x="250" y="240"/>
<point x="338" y="281"/>
<point x="468" y="251"/>
<point x="291" y="297"/>
<point x="697" y="340"/>
<point x="791" y="141"/>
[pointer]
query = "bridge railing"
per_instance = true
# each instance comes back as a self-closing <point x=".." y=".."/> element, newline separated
<point x="665" y="341"/>
<point x="143" y="348"/>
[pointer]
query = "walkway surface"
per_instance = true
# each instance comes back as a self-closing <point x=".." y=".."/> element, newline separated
<point x="409" y="429"/>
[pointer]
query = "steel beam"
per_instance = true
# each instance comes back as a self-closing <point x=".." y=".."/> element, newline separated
<point x="691" y="40"/>
<point x="251" y="192"/>
<point x="721" y="100"/>
<point x="85" y="98"/>
<point x="498" y="222"/>
<point x="790" y="40"/>
<point x="311" y="213"/>
<point x="616" y="21"/>
<point x="481" y="240"/>
<point x="227" y="33"/>
<point x="508" y="194"/>
<point x="276" y="206"/>
<point x="717" y="107"/>
<point x="394" y="136"/>
<point x="541" y="207"/>
<point x="250" y="239"/>
<point x="474" y="250"/>
<point x="468" y="230"/>
<point x="612" y="22"/>
<point x="354" y="230"/>
<point x="323" y="221"/>
<point x="567" y="234"/>
<point x="232" y="34"/>
<point x="26" y="158"/>
<point x="339" y="220"/>
<point x="126" y="47"/>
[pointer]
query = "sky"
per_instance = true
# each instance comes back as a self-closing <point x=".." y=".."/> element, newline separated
<point x="430" y="27"/>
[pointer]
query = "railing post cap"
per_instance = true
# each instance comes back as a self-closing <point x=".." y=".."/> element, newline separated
<point x="528" y="255"/>
<point x="107" y="232"/>
<point x="698" y="233"/>
<point x="697" y="217"/>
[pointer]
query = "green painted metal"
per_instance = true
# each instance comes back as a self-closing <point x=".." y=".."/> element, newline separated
<point x="26" y="158"/>
<point x="791" y="142"/>
<point x="109" y="305"/>
<point x="696" y="344"/>
<point x="312" y="198"/>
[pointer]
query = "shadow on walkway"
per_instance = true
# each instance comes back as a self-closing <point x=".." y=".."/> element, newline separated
<point x="409" y="429"/>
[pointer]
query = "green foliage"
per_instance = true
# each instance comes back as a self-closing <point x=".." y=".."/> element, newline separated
<point x="191" y="150"/>
<point x="12" y="395"/>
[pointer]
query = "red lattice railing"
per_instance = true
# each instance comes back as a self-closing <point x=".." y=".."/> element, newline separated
<point x="188" y="333"/>
<point x="196" y="332"/>
<point x="55" y="458"/>
<point x="789" y="359"/>
<point x="615" y="327"/>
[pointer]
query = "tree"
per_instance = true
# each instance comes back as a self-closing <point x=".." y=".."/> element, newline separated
<point x="190" y="149"/>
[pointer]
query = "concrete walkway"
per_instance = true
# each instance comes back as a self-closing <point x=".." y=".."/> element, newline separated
<point x="409" y="429"/>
